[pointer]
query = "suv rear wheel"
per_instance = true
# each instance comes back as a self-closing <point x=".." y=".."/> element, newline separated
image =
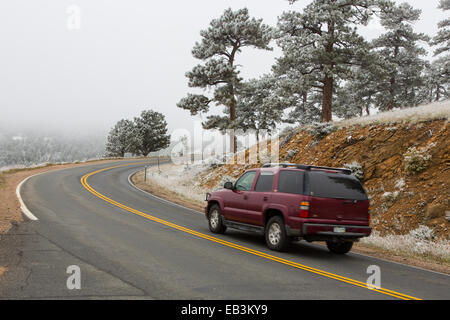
<point x="275" y="234"/>
<point x="215" y="220"/>
<point x="340" y="247"/>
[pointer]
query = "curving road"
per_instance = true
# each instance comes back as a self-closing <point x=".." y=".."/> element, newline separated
<point x="131" y="245"/>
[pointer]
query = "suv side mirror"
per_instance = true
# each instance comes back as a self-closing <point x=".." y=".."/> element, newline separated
<point x="228" y="185"/>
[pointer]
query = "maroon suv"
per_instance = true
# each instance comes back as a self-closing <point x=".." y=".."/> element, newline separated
<point x="291" y="201"/>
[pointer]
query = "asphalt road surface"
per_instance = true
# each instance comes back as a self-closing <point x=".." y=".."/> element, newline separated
<point x="131" y="245"/>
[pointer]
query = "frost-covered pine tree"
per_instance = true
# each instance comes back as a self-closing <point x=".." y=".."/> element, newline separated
<point x="119" y="139"/>
<point x="357" y="95"/>
<point x="220" y="44"/>
<point x="438" y="74"/>
<point x="349" y="102"/>
<point x="259" y="107"/>
<point x="442" y="39"/>
<point x="320" y="46"/>
<point x="403" y="56"/>
<point x="149" y="133"/>
<point x="303" y="104"/>
<point x="437" y="77"/>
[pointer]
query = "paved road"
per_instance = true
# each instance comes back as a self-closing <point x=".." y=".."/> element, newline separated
<point x="130" y="245"/>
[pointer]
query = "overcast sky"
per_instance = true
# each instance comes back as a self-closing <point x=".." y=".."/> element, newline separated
<point x="128" y="55"/>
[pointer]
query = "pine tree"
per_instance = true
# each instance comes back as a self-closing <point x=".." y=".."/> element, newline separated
<point x="349" y="101"/>
<point x="402" y="54"/>
<point x="120" y="139"/>
<point x="358" y="94"/>
<point x="438" y="74"/>
<point x="149" y="133"/>
<point x="437" y="80"/>
<point x="306" y="108"/>
<point x="220" y="44"/>
<point x="442" y="39"/>
<point x="321" y="45"/>
<point x="259" y="107"/>
<point x="303" y="102"/>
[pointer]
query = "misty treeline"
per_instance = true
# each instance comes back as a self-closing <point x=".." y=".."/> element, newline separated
<point x="140" y="137"/>
<point x="327" y="68"/>
<point x="35" y="147"/>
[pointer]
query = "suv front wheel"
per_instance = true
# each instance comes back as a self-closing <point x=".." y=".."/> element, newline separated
<point x="215" y="220"/>
<point x="340" y="247"/>
<point x="275" y="234"/>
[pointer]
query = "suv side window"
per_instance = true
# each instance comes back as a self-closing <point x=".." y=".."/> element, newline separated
<point x="265" y="182"/>
<point x="291" y="181"/>
<point x="246" y="181"/>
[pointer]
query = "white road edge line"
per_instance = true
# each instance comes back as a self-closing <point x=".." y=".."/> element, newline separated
<point x="352" y="253"/>
<point x="23" y="206"/>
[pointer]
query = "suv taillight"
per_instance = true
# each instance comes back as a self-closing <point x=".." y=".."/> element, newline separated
<point x="304" y="209"/>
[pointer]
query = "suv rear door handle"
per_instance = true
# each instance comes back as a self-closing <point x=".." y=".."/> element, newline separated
<point x="245" y="197"/>
<point x="265" y="198"/>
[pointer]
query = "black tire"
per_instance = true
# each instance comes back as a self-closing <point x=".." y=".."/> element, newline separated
<point x="215" y="221"/>
<point x="275" y="234"/>
<point x="340" y="247"/>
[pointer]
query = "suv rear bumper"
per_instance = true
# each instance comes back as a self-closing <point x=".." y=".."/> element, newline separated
<point x="318" y="231"/>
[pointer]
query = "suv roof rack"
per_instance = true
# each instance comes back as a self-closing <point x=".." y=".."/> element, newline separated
<point x="306" y="167"/>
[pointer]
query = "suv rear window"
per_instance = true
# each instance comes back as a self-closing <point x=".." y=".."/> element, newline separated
<point x="291" y="181"/>
<point x="336" y="186"/>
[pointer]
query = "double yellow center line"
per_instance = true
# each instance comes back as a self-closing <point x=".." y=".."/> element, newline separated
<point x="236" y="246"/>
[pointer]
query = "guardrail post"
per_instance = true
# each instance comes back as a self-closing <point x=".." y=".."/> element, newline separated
<point x="159" y="170"/>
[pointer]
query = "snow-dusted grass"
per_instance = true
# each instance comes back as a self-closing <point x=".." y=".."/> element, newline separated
<point x="419" y="242"/>
<point x="23" y="167"/>
<point x="433" y="111"/>
<point x="47" y="164"/>
<point x="178" y="179"/>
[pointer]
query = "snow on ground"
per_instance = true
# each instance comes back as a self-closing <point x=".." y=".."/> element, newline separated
<point x="14" y="167"/>
<point x="418" y="242"/>
<point x="179" y="179"/>
<point x="46" y="164"/>
<point x="434" y="111"/>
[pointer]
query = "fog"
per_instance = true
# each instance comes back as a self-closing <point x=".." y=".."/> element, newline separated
<point x="125" y="57"/>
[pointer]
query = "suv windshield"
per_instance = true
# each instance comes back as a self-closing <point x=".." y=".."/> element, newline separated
<point x="337" y="186"/>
